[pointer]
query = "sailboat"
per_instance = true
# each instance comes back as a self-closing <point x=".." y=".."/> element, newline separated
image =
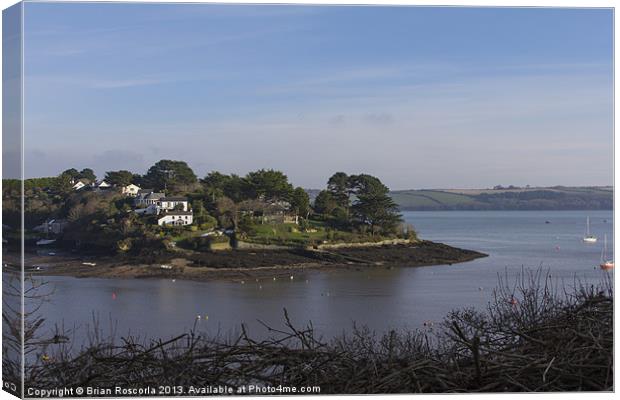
<point x="589" y="238"/>
<point x="605" y="263"/>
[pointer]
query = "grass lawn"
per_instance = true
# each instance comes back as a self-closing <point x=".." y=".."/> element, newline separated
<point x="290" y="234"/>
<point x="286" y="233"/>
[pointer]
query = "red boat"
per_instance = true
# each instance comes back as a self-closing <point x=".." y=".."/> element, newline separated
<point x="605" y="263"/>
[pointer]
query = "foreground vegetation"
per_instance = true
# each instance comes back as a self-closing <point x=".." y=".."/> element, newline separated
<point x="533" y="337"/>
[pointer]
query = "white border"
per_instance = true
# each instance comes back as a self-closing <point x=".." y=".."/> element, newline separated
<point x="476" y="3"/>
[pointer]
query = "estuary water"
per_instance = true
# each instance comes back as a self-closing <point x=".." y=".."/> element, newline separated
<point x="381" y="299"/>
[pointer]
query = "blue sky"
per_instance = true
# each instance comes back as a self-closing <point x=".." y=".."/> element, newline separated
<point x="420" y="97"/>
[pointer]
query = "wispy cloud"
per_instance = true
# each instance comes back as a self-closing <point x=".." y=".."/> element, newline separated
<point x="101" y="82"/>
<point x="128" y="83"/>
<point x="118" y="40"/>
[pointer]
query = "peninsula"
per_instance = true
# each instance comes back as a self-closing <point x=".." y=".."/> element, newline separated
<point x="170" y="223"/>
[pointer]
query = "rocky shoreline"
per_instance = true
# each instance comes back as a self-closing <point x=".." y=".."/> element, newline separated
<point x="239" y="265"/>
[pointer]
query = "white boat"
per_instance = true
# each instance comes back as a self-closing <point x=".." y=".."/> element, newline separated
<point x="605" y="263"/>
<point x="589" y="238"/>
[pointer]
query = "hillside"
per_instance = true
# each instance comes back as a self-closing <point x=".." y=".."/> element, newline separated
<point x="538" y="198"/>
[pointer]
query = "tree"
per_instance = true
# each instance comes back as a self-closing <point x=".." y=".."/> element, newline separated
<point x="339" y="185"/>
<point x="324" y="203"/>
<point x="228" y="212"/>
<point x="300" y="202"/>
<point x="168" y="173"/>
<point x="72" y="173"/>
<point x="87" y="173"/>
<point x="215" y="179"/>
<point x="119" y="178"/>
<point x="232" y="186"/>
<point x="215" y="184"/>
<point x="63" y="184"/>
<point x="137" y="179"/>
<point x="269" y="184"/>
<point x="198" y="208"/>
<point x="373" y="207"/>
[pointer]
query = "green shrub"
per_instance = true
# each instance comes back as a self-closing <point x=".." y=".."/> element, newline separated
<point x="207" y="222"/>
<point x="247" y="225"/>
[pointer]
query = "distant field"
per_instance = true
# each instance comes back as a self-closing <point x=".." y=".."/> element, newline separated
<point x="539" y="198"/>
<point x="431" y="198"/>
<point x="473" y="192"/>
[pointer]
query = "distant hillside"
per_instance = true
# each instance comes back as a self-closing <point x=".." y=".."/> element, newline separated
<point x="537" y="198"/>
<point x="540" y="198"/>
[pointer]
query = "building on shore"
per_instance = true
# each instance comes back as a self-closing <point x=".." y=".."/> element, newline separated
<point x="130" y="190"/>
<point x="80" y="184"/>
<point x="279" y="213"/>
<point x="176" y="218"/>
<point x="173" y="203"/>
<point x="173" y="210"/>
<point x="147" y="197"/>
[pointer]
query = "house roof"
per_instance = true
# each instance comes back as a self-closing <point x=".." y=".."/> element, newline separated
<point x="145" y="191"/>
<point x="154" y="196"/>
<point x="174" y="198"/>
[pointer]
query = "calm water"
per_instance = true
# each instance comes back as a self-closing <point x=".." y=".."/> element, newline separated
<point x="381" y="299"/>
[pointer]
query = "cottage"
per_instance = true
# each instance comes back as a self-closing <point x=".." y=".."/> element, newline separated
<point x="78" y="185"/>
<point x="176" y="218"/>
<point x="279" y="213"/>
<point x="130" y="190"/>
<point x="146" y="197"/>
<point x="103" y="185"/>
<point x="172" y="203"/>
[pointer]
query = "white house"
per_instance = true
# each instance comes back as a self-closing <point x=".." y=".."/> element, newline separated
<point x="130" y="190"/>
<point x="176" y="218"/>
<point x="104" y="185"/>
<point x="170" y="203"/>
<point x="78" y="185"/>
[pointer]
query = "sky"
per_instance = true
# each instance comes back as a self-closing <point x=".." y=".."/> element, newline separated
<point x="419" y="97"/>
